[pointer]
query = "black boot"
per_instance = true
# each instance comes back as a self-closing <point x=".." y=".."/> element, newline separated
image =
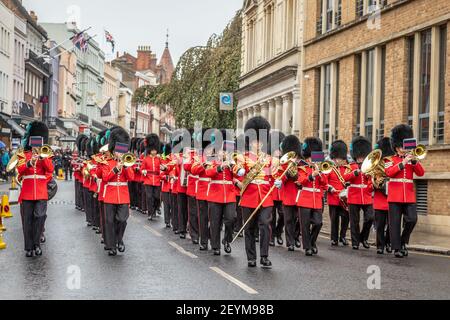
<point x="404" y="250"/>
<point x="182" y="235"/>
<point x="298" y="244"/>
<point x="266" y="263"/>
<point x="227" y="247"/>
<point x="43" y="239"/>
<point x="112" y="253"/>
<point x="272" y="243"/>
<point x="251" y="263"/>
<point x="308" y="253"/>
<point x="398" y="254"/>
<point x="380" y="251"/>
<point x="29" y="254"/>
<point x="121" y="247"/>
<point x="344" y="241"/>
<point x="291" y="248"/>
<point x="38" y="251"/>
<point x="334" y="243"/>
<point x="366" y="244"/>
<point x="280" y="241"/>
<point x="203" y="247"/>
<point x="388" y="248"/>
<point x="216" y="252"/>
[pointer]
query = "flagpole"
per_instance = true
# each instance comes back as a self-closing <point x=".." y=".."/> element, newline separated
<point x="60" y="44"/>
<point x="70" y="49"/>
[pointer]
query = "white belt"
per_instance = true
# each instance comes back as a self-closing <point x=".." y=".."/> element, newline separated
<point x="360" y="186"/>
<point x="192" y="176"/>
<point x="204" y="179"/>
<point x="402" y="180"/>
<point x="117" y="184"/>
<point x="259" y="182"/>
<point x="221" y="182"/>
<point x="40" y="177"/>
<point x="311" y="190"/>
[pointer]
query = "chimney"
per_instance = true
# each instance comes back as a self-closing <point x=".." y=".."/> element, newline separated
<point x="144" y="58"/>
<point x="33" y="16"/>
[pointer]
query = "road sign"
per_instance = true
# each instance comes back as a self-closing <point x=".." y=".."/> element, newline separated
<point x="226" y="101"/>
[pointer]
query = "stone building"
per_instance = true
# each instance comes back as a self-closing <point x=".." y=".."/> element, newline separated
<point x="111" y="88"/>
<point x="369" y="65"/>
<point x="271" y="63"/>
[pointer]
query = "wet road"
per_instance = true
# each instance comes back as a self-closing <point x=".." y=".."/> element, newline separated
<point x="159" y="265"/>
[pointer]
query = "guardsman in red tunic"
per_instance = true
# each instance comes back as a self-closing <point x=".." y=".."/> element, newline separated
<point x="150" y="171"/>
<point x="277" y="226"/>
<point x="165" y="183"/>
<point x="182" y="150"/>
<point x="380" y="203"/>
<point x="140" y="179"/>
<point x="116" y="194"/>
<point x="33" y="171"/>
<point x="105" y="156"/>
<point x="76" y="165"/>
<point x="88" y="182"/>
<point x="257" y="171"/>
<point x="310" y="199"/>
<point x="172" y="170"/>
<point x="360" y="193"/>
<point x="336" y="195"/>
<point x="289" y="188"/>
<point x="192" y="182"/>
<point x="240" y="146"/>
<point x="132" y="185"/>
<point x="401" y="193"/>
<point x="199" y="169"/>
<point x="222" y="198"/>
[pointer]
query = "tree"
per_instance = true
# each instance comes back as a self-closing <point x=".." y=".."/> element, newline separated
<point x="201" y="74"/>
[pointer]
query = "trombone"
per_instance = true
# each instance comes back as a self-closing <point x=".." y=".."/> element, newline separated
<point x="420" y="152"/>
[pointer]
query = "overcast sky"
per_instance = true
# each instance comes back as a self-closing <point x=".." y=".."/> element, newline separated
<point x="143" y="22"/>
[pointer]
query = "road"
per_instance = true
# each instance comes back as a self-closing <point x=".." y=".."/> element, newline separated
<point x="159" y="265"/>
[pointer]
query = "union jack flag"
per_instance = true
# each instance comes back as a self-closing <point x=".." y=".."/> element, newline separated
<point x="109" y="38"/>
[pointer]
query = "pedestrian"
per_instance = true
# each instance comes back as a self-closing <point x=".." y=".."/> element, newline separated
<point x="66" y="161"/>
<point x="360" y="193"/>
<point x="34" y="172"/>
<point x="401" y="193"/>
<point x="116" y="196"/>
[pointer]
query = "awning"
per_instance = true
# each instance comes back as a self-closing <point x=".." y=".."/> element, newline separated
<point x="16" y="127"/>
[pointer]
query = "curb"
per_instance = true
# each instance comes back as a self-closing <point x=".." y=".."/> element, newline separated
<point x="416" y="248"/>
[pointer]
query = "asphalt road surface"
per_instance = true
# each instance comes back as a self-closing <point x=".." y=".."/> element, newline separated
<point x="159" y="265"/>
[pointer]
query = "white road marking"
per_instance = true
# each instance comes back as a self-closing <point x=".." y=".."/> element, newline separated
<point x="181" y="249"/>
<point x="240" y="284"/>
<point x="156" y="233"/>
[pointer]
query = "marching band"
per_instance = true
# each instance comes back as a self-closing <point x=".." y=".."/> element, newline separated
<point x="253" y="185"/>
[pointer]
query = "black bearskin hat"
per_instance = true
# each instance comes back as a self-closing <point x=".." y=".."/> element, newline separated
<point x="311" y="145"/>
<point x="118" y="135"/>
<point x="262" y="129"/>
<point x="360" y="148"/>
<point x="89" y="146"/>
<point x="80" y="141"/>
<point x="166" y="149"/>
<point x="276" y="138"/>
<point x="99" y="139"/>
<point x="400" y="133"/>
<point x="152" y="142"/>
<point x="132" y="145"/>
<point x="35" y="129"/>
<point x="95" y="146"/>
<point x="291" y="144"/>
<point x="141" y="145"/>
<point x="385" y="146"/>
<point x="338" y="150"/>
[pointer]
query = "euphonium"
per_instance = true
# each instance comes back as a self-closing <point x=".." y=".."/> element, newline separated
<point x="16" y="160"/>
<point x="373" y="166"/>
<point x="128" y="160"/>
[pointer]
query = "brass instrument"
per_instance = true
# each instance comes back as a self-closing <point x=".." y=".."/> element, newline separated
<point x="254" y="172"/>
<point x="288" y="157"/>
<point x="420" y="152"/>
<point x="16" y="160"/>
<point x="325" y="167"/>
<point x="128" y="160"/>
<point x="373" y="166"/>
<point x="45" y="151"/>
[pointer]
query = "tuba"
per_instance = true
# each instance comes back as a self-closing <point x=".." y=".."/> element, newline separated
<point x="373" y="166"/>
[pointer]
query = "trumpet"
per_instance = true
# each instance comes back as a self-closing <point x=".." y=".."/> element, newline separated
<point x="420" y="152"/>
<point x="325" y="167"/>
<point x="45" y="151"/>
<point x="128" y="160"/>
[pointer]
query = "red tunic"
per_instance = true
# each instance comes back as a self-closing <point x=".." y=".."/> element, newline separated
<point x="260" y="186"/>
<point x="203" y="180"/>
<point x="313" y="188"/>
<point x="401" y="184"/>
<point x="164" y="176"/>
<point x="221" y="188"/>
<point x="152" y="165"/>
<point x="116" y="184"/>
<point x="360" y="189"/>
<point x="35" y="179"/>
<point x="178" y="172"/>
<point x="289" y="190"/>
<point x="191" y="177"/>
<point x="333" y="181"/>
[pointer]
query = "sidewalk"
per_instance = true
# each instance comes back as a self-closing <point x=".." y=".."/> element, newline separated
<point x="420" y="241"/>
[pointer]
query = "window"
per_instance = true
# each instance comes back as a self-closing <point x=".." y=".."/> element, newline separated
<point x="442" y="68"/>
<point x="424" y="90"/>
<point x="327" y="107"/>
<point x="336" y="114"/>
<point x="269" y="31"/>
<point x="290" y="23"/>
<point x="329" y="18"/>
<point x="329" y="15"/>
<point x="380" y="130"/>
<point x="410" y="80"/>
<point x="328" y="103"/>
<point x="422" y="196"/>
<point x="358" y="96"/>
<point x="370" y="88"/>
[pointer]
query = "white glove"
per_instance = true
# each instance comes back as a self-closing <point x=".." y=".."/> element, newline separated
<point x="144" y="172"/>
<point x="241" y="172"/>
<point x="278" y="184"/>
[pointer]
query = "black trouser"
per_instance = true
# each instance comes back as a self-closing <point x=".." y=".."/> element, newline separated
<point x="310" y="224"/>
<point x="182" y="213"/>
<point x="95" y="211"/>
<point x="152" y="194"/>
<point x="88" y="205"/>
<point x="277" y="225"/>
<point x="77" y="194"/>
<point x="290" y="219"/>
<point x="101" y="209"/>
<point x="381" y="222"/>
<point x="238" y="222"/>
<point x="165" y="197"/>
<point x="174" y="199"/>
<point x="363" y="235"/>
<point x="143" y="198"/>
<point x="338" y="213"/>
<point x="193" y="218"/>
<point x="203" y="219"/>
<point x="260" y="221"/>
<point x="132" y="188"/>
<point x="34" y="214"/>
<point x="409" y="212"/>
<point x="221" y="213"/>
<point x="139" y="195"/>
<point x="115" y="224"/>
<point x="68" y="171"/>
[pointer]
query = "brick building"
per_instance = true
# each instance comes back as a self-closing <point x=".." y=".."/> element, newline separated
<point x="369" y="65"/>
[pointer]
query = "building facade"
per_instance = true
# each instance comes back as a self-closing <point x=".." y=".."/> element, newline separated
<point x="271" y="63"/>
<point x="111" y="88"/>
<point x="125" y="105"/>
<point x="369" y="65"/>
<point x="7" y="23"/>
